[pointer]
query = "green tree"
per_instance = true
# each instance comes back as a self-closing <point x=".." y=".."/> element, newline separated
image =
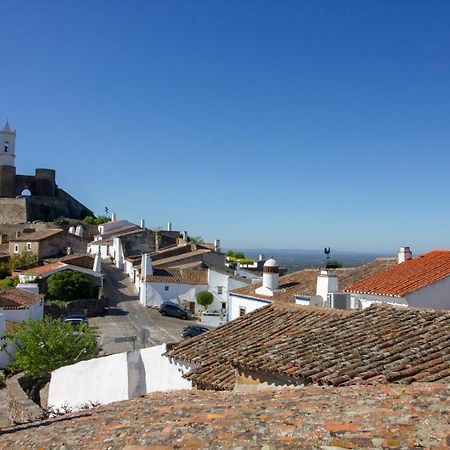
<point x="9" y="282"/>
<point x="196" y="240"/>
<point x="69" y="285"/>
<point x="101" y="219"/>
<point x="205" y="298"/>
<point x="230" y="253"/>
<point x="90" y="220"/>
<point x="26" y="260"/>
<point x="4" y="270"/>
<point x="239" y="255"/>
<point x="45" y="345"/>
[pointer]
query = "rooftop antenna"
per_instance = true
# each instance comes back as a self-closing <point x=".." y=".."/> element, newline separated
<point x="327" y="251"/>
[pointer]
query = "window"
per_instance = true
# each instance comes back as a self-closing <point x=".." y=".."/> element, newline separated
<point x="28" y="246"/>
<point x="166" y="288"/>
<point x="16" y="248"/>
<point x="224" y="305"/>
<point x="6" y="146"/>
<point x="241" y="311"/>
<point x="219" y="289"/>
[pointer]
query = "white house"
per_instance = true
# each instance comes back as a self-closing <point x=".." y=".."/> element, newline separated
<point x="18" y="305"/>
<point x="421" y="282"/>
<point x="181" y="285"/>
<point x="300" y="287"/>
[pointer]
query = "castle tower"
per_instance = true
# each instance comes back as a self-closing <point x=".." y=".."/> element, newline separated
<point x="7" y="146"/>
<point x="7" y="162"/>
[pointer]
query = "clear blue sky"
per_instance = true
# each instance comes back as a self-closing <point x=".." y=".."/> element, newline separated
<point x="283" y="124"/>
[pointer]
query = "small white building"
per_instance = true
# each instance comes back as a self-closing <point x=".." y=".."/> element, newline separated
<point x="18" y="305"/>
<point x="421" y="282"/>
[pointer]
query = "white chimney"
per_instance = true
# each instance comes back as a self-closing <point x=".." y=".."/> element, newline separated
<point x="113" y="217"/>
<point x="271" y="275"/>
<point x="404" y="254"/>
<point x="169" y="226"/>
<point x="97" y="263"/>
<point x="185" y="235"/>
<point x="146" y="266"/>
<point x="217" y="245"/>
<point x="142" y="223"/>
<point x="327" y="283"/>
<point x="72" y="230"/>
<point x="79" y="231"/>
<point x="261" y="257"/>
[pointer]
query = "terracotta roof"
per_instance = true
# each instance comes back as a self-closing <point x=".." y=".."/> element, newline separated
<point x="183" y="276"/>
<point x="17" y="299"/>
<point x="79" y="260"/>
<point x="359" y="417"/>
<point x="42" y="270"/>
<point x="38" y="235"/>
<point x="303" y="282"/>
<point x="122" y="230"/>
<point x="178" y="258"/>
<point x="406" y="277"/>
<point x="315" y="345"/>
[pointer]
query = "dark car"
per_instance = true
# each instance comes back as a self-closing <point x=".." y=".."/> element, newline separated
<point x="173" y="310"/>
<point x="193" y="330"/>
<point x="76" y="319"/>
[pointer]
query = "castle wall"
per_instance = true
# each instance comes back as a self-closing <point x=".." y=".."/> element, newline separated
<point x="13" y="210"/>
<point x="7" y="181"/>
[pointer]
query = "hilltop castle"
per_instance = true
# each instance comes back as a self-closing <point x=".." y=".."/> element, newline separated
<point x="25" y="198"/>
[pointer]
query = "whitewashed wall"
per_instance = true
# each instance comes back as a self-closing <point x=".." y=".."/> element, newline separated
<point x="34" y="312"/>
<point x="105" y="250"/>
<point x="235" y="303"/>
<point x="435" y="295"/>
<point x="156" y="293"/>
<point x="116" y="377"/>
<point x="366" y="300"/>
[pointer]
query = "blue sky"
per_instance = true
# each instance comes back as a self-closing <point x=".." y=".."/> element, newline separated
<point x="282" y="124"/>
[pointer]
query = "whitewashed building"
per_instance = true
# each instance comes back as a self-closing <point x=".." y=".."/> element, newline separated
<point x="421" y="282"/>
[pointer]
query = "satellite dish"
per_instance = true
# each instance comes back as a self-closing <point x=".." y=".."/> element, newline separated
<point x="317" y="300"/>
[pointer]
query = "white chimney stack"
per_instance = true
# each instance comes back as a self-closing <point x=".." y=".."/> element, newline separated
<point x="142" y="223"/>
<point x="113" y="217"/>
<point x="217" y="245"/>
<point x="79" y="231"/>
<point x="146" y="266"/>
<point x="271" y="275"/>
<point x="404" y="254"/>
<point x="261" y="257"/>
<point x="327" y="283"/>
<point x="97" y="263"/>
<point x="169" y="226"/>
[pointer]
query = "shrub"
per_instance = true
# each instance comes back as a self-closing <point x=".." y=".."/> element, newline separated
<point x="230" y="253"/>
<point x="9" y="282"/>
<point x="45" y="345"/>
<point x="26" y="260"/>
<point x="205" y="298"/>
<point x="90" y="220"/>
<point x="4" y="271"/>
<point x="69" y="285"/>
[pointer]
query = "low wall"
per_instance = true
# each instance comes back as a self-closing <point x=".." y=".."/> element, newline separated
<point x="21" y="408"/>
<point x="91" y="307"/>
<point x="115" y="377"/>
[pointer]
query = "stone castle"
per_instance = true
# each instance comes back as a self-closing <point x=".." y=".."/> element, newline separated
<point x="26" y="198"/>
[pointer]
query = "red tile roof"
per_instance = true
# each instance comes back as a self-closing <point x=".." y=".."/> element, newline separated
<point x="325" y="346"/>
<point x="47" y="268"/>
<point x="18" y="299"/>
<point x="407" y="277"/>
<point x="360" y="417"/>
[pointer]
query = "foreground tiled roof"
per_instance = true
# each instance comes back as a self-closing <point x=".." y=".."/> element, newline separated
<point x="45" y="269"/>
<point x="17" y="299"/>
<point x="303" y="282"/>
<point x="406" y="277"/>
<point x="38" y="235"/>
<point x="315" y="345"/>
<point x="183" y="276"/>
<point x="363" y="417"/>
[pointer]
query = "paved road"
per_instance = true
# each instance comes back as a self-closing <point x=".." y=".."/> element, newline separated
<point x="127" y="316"/>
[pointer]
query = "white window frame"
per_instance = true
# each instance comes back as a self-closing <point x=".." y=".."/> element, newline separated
<point x="16" y="248"/>
<point x="28" y="246"/>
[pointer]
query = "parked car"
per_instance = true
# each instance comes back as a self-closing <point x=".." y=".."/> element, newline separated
<point x="193" y="330"/>
<point x="76" y="319"/>
<point x="173" y="310"/>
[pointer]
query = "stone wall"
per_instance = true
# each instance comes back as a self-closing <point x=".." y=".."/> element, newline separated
<point x="21" y="408"/>
<point x="13" y="210"/>
<point x="91" y="307"/>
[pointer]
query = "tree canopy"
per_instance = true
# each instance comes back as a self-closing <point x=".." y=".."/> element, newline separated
<point x="25" y="260"/>
<point x="205" y="298"/>
<point x="69" y="285"/>
<point x="42" y="346"/>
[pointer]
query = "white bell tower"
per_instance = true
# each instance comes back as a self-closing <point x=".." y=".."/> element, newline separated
<point x="7" y="146"/>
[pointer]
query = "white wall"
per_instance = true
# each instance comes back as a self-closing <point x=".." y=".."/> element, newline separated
<point x="235" y="303"/>
<point x="34" y="312"/>
<point x="156" y="293"/>
<point x="216" y="279"/>
<point x="105" y="250"/>
<point x="366" y="300"/>
<point x="116" y="377"/>
<point x="435" y="295"/>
